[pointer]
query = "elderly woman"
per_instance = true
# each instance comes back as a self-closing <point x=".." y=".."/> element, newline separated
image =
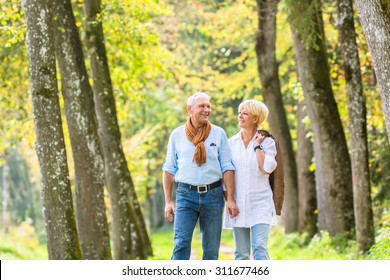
<point x="253" y="156"/>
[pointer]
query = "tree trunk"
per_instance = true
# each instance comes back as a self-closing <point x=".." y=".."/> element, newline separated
<point x="129" y="233"/>
<point x="375" y="19"/>
<point x="80" y="114"/>
<point x="307" y="199"/>
<point x="333" y="167"/>
<point x="59" y="219"/>
<point x="269" y="77"/>
<point x="365" y="235"/>
<point x="5" y="199"/>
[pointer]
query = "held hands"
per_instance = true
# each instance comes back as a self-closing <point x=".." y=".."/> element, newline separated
<point x="169" y="211"/>
<point x="232" y="209"/>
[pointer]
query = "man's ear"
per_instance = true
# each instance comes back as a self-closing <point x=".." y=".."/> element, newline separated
<point x="189" y="110"/>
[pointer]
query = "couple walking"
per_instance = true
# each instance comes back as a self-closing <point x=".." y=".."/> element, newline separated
<point x="209" y="168"/>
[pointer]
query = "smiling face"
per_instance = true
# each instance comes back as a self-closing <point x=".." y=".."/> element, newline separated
<point x="247" y="120"/>
<point x="200" y="111"/>
<point x="251" y="114"/>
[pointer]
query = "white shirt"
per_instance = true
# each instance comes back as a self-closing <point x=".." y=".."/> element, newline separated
<point x="253" y="192"/>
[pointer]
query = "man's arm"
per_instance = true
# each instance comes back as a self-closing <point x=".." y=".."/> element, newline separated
<point x="231" y="206"/>
<point x="168" y="181"/>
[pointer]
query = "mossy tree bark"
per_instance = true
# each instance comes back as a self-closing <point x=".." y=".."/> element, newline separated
<point x="332" y="162"/>
<point x="375" y="19"/>
<point x="59" y="219"/>
<point x="129" y="233"/>
<point x="365" y="234"/>
<point x="80" y="114"/>
<point x="267" y="66"/>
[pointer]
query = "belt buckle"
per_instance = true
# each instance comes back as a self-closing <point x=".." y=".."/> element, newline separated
<point x="202" y="188"/>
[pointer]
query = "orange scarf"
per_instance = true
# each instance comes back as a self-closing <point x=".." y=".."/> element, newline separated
<point x="197" y="138"/>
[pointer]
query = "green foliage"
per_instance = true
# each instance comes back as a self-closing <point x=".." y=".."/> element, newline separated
<point x="23" y="196"/>
<point x="381" y="250"/>
<point x="304" y="15"/>
<point x="15" y="107"/>
<point x="283" y="246"/>
<point x="379" y="162"/>
<point x="22" y="243"/>
<point x="159" y="53"/>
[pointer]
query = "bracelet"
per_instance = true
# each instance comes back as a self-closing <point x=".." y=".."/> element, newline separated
<point x="258" y="147"/>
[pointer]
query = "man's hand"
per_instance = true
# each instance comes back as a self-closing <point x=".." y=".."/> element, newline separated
<point x="169" y="211"/>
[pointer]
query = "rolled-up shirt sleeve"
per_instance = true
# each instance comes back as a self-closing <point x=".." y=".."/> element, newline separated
<point x="170" y="164"/>
<point x="225" y="155"/>
<point x="269" y="148"/>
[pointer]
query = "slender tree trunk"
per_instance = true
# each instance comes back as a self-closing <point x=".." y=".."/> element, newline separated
<point x="307" y="199"/>
<point x="269" y="77"/>
<point x="59" y="219"/>
<point x="333" y="166"/>
<point x="5" y="199"/>
<point x="357" y="126"/>
<point x="129" y="233"/>
<point x="80" y="114"/>
<point x="375" y="19"/>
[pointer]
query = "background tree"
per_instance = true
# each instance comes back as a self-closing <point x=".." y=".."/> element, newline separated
<point x="60" y="225"/>
<point x="269" y="77"/>
<point x="159" y="52"/>
<point x="19" y="193"/>
<point x="129" y="233"/>
<point x="332" y="163"/>
<point x="88" y="160"/>
<point x="357" y="126"/>
<point x="307" y="195"/>
<point x="375" y="19"/>
<point x="5" y="214"/>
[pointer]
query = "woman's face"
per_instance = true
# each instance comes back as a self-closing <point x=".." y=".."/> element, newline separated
<point x="246" y="120"/>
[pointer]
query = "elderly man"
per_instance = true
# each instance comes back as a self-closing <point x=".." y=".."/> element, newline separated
<point x="198" y="158"/>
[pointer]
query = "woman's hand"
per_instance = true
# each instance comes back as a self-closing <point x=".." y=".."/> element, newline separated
<point x="258" y="139"/>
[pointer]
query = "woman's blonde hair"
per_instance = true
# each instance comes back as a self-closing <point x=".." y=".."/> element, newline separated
<point x="256" y="109"/>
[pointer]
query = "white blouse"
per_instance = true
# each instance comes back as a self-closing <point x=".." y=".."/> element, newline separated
<point x="253" y="192"/>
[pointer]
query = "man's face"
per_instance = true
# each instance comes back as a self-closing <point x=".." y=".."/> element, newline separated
<point x="200" y="111"/>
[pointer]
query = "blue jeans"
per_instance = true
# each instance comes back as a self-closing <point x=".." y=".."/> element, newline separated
<point x="259" y="242"/>
<point x="191" y="206"/>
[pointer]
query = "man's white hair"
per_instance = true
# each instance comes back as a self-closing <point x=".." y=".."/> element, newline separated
<point x="191" y="100"/>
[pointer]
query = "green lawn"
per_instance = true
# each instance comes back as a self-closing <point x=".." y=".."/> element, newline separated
<point x="22" y="243"/>
<point x="163" y="245"/>
<point x="283" y="246"/>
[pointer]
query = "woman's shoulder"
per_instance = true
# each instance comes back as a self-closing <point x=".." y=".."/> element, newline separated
<point x="235" y="137"/>
<point x="268" y="144"/>
<point x="269" y="141"/>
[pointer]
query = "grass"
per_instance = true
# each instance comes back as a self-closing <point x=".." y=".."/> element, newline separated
<point x="162" y="241"/>
<point x="283" y="246"/>
<point x="22" y="243"/>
